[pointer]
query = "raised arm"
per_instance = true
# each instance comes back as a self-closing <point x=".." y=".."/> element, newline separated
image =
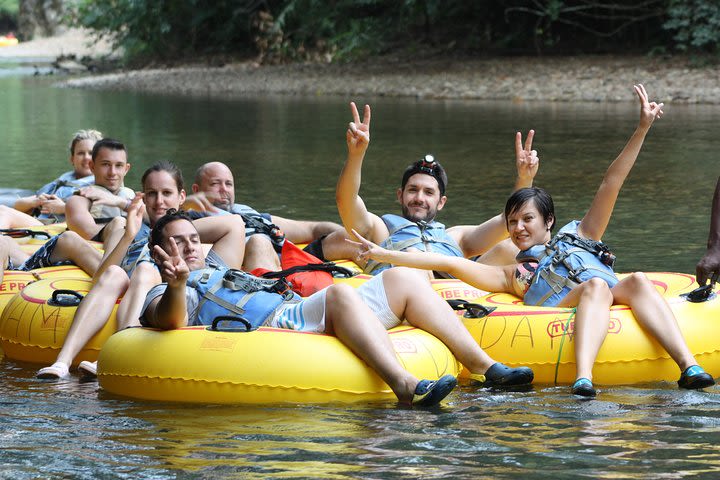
<point x="595" y="221"/>
<point x="527" y="161"/>
<point x="478" y="239"/>
<point x="484" y="277"/>
<point x="709" y="266"/>
<point x="169" y="311"/>
<point x="351" y="207"/>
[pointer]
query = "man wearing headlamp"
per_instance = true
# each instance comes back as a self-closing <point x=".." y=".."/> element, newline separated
<point x="421" y="196"/>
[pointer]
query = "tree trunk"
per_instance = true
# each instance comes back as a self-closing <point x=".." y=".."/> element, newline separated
<point x="40" y="18"/>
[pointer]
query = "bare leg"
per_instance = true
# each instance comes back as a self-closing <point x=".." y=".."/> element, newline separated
<point x="11" y="218"/>
<point x="592" y="318"/>
<point x="117" y="223"/>
<point x="144" y="277"/>
<point x="352" y="321"/>
<point x="71" y="246"/>
<point x="93" y="312"/>
<point x="10" y="251"/>
<point x="259" y="253"/>
<point x="654" y="314"/>
<point x="411" y="296"/>
<point x="335" y="247"/>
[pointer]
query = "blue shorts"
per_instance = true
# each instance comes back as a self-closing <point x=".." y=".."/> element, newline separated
<point x="41" y="258"/>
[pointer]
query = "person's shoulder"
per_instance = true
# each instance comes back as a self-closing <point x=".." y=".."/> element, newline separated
<point x="240" y="208"/>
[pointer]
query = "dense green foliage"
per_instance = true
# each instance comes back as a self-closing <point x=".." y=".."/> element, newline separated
<point x="8" y="15"/>
<point x="696" y="23"/>
<point x="332" y="30"/>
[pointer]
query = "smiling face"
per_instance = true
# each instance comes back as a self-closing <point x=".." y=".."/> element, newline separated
<point x="527" y="227"/>
<point x="161" y="193"/>
<point x="110" y="167"/>
<point x="81" y="157"/>
<point x="187" y="240"/>
<point x="216" y="181"/>
<point x="421" y="199"/>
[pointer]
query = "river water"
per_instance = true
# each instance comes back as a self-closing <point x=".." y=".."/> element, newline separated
<point x="286" y="153"/>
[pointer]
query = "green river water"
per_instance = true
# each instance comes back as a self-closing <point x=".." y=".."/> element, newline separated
<point x="287" y="153"/>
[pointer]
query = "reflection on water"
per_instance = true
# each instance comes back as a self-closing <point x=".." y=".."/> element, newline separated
<point x="287" y="153"/>
<point x="631" y="432"/>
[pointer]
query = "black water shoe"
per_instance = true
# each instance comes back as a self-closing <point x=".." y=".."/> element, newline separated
<point x="695" y="378"/>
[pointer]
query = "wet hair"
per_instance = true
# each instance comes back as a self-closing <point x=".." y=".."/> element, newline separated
<point x="165" y="166"/>
<point x="109" y="143"/>
<point x="542" y="199"/>
<point x="158" y="231"/>
<point x="81" y="135"/>
<point x="429" y="166"/>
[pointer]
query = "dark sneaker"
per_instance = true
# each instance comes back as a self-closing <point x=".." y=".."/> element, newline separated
<point x="584" y="388"/>
<point x="695" y="378"/>
<point x="429" y="393"/>
<point x="503" y="376"/>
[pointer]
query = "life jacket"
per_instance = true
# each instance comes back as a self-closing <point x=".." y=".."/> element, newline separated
<point x="105" y="213"/>
<point x="62" y="187"/>
<point x="225" y="291"/>
<point x="138" y="250"/>
<point x="564" y="263"/>
<point x="406" y="234"/>
<point x="259" y="223"/>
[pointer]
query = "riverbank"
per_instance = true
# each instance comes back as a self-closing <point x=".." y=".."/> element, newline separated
<point x="566" y="79"/>
<point x="554" y="79"/>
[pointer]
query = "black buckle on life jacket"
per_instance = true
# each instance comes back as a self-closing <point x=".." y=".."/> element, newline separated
<point x="283" y="287"/>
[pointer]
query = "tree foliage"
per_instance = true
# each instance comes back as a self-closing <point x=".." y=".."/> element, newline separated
<point x="335" y="30"/>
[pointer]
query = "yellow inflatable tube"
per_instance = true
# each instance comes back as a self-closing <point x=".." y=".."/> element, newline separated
<point x="542" y="338"/>
<point x="195" y="364"/>
<point x="35" y="322"/>
<point x="14" y="281"/>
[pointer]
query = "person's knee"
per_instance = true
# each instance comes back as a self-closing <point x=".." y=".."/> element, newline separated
<point x="597" y="288"/>
<point x="113" y="276"/>
<point x="235" y="224"/>
<point x="70" y="239"/>
<point x="117" y="223"/>
<point x="408" y="277"/>
<point x="639" y="280"/>
<point x="145" y="273"/>
<point x="340" y="298"/>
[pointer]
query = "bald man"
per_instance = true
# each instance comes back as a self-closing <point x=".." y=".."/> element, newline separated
<point x="214" y="193"/>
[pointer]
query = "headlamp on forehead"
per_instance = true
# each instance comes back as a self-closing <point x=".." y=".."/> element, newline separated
<point x="429" y="166"/>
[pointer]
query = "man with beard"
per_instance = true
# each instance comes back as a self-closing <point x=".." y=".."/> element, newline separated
<point x="422" y="196"/>
<point x="214" y="193"/>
